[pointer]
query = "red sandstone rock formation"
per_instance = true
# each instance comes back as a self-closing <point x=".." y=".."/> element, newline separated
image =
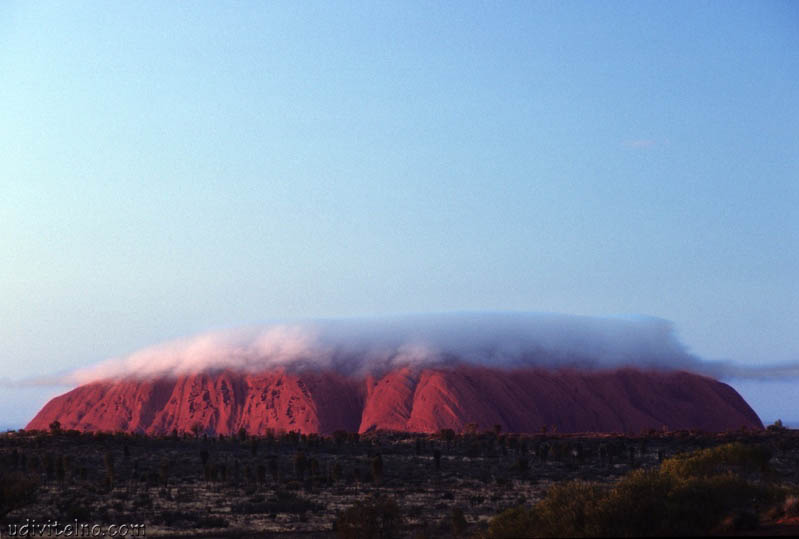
<point x="419" y="400"/>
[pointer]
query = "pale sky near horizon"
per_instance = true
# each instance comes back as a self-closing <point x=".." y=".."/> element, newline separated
<point x="169" y="168"/>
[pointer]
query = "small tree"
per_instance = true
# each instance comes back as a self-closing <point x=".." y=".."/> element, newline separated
<point x="523" y="465"/>
<point x="248" y="475"/>
<point x="447" y="435"/>
<point x="340" y="436"/>
<point x="49" y="465"/>
<point x="777" y="426"/>
<point x="60" y="468"/>
<point x="253" y="446"/>
<point x="261" y="474"/>
<point x="163" y="472"/>
<point x="273" y="468"/>
<point x="108" y="460"/>
<point x="222" y="471"/>
<point x="300" y="462"/>
<point x="55" y="427"/>
<point x="335" y="473"/>
<point x="210" y="472"/>
<point x="377" y="468"/>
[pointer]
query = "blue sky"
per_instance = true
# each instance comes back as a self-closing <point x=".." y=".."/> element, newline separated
<point x="169" y="168"/>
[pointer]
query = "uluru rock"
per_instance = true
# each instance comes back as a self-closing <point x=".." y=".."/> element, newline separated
<point x="424" y="399"/>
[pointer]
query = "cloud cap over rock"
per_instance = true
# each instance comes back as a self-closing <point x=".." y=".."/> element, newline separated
<point x="362" y="346"/>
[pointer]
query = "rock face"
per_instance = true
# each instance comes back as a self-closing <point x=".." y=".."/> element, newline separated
<point x="406" y="399"/>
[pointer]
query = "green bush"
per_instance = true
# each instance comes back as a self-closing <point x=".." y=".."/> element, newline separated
<point x="688" y="495"/>
<point x="734" y="457"/>
<point x="656" y="503"/>
<point x="512" y="523"/>
<point x="570" y="509"/>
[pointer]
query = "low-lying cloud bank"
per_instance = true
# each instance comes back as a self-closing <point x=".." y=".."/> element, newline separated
<point x="353" y="346"/>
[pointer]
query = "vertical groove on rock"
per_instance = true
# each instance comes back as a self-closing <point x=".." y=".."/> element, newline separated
<point x="421" y="400"/>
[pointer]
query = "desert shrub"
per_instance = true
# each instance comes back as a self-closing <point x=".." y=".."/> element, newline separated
<point x="211" y="521"/>
<point x="313" y="464"/>
<point x="288" y="502"/>
<point x="210" y="472"/>
<point x="163" y="471"/>
<point x="473" y="450"/>
<point x="60" y="468"/>
<point x="696" y="505"/>
<point x="637" y="502"/>
<point x="49" y="465"/>
<point x="476" y="500"/>
<point x="300" y="464"/>
<point x="377" y="518"/>
<point x="16" y="491"/>
<point x="740" y="520"/>
<point x="735" y="457"/>
<point x="250" y="508"/>
<point x="448" y="435"/>
<point x="108" y="462"/>
<point x="522" y="465"/>
<point x="222" y="467"/>
<point x="777" y="426"/>
<point x="273" y="466"/>
<point x="336" y="471"/>
<point x="458" y="521"/>
<point x="74" y="507"/>
<point x="377" y="468"/>
<point x="692" y="494"/>
<point x="139" y="501"/>
<point x="176" y="518"/>
<point x="657" y="503"/>
<point x="571" y="509"/>
<point x="261" y="474"/>
<point x="185" y="495"/>
<point x="512" y="523"/>
<point x="340" y="436"/>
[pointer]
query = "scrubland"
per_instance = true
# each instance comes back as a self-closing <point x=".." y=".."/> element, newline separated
<point x="383" y="484"/>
